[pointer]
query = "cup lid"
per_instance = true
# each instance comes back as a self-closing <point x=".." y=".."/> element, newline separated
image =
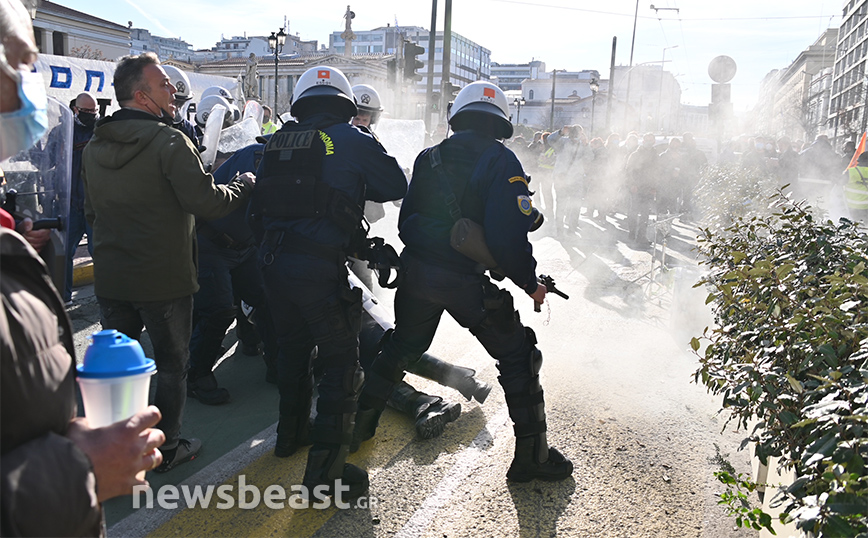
<point x="114" y="354"/>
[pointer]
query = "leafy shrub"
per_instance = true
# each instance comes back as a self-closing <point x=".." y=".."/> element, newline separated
<point x="790" y="349"/>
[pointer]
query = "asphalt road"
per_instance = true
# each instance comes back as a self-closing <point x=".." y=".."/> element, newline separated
<point x="620" y="402"/>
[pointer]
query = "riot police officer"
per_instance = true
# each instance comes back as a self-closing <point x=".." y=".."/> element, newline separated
<point x="183" y="95"/>
<point x="471" y="174"/>
<point x="227" y="268"/>
<point x="316" y="175"/>
<point x="369" y="109"/>
<point x="369" y="104"/>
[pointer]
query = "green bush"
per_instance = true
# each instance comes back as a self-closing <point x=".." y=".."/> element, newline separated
<point x="790" y="349"/>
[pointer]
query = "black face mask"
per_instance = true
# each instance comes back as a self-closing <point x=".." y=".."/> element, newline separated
<point x="87" y="119"/>
<point x="164" y="116"/>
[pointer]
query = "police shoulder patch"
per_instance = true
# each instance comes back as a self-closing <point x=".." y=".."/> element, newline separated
<point x="516" y="179"/>
<point x="525" y="205"/>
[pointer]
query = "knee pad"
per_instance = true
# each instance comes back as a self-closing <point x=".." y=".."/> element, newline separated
<point x="531" y="336"/>
<point x="536" y="359"/>
<point x="354" y="378"/>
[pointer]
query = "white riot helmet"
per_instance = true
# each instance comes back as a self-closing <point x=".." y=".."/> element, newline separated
<point x="323" y="89"/>
<point x="481" y="101"/>
<point x="236" y="113"/>
<point x="203" y="110"/>
<point x="178" y="78"/>
<point x="368" y="100"/>
<point x="218" y="90"/>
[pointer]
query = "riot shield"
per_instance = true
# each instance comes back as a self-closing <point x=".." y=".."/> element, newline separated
<point x="253" y="110"/>
<point x="37" y="183"/>
<point x="213" y="125"/>
<point x="188" y="110"/>
<point x="239" y="136"/>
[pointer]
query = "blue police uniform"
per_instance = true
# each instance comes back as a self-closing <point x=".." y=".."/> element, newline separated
<point x="492" y="189"/>
<point x="227" y="268"/>
<point x="303" y="262"/>
<point x="187" y="127"/>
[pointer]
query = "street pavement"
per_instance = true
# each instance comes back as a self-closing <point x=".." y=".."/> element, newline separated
<point x="620" y="402"/>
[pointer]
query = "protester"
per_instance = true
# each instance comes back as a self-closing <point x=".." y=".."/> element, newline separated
<point x="55" y="470"/>
<point x="82" y="131"/>
<point x="144" y="182"/>
<point x="643" y="172"/>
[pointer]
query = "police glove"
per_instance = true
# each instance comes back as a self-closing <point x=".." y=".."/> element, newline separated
<point x="248" y="177"/>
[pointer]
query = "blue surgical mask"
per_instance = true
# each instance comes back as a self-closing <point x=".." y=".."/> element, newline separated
<point x="20" y="129"/>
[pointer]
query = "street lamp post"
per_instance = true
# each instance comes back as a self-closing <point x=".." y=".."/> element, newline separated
<point x="554" y="82"/>
<point x="276" y="42"/>
<point x="595" y="87"/>
<point x="660" y="95"/>
<point x="518" y="101"/>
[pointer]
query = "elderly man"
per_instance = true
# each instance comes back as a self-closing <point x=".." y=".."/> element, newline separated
<point x="56" y="469"/>
<point x="144" y="185"/>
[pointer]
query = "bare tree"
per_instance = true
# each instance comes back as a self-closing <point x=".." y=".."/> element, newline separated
<point x="86" y="52"/>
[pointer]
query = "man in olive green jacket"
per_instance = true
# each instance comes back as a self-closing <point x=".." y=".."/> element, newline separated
<point x="144" y="186"/>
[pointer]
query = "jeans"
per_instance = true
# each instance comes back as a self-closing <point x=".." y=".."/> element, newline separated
<point x="169" y="325"/>
<point x="223" y="274"/>
<point x="78" y="226"/>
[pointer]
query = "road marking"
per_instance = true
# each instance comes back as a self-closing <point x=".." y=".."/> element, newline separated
<point x="144" y="521"/>
<point x="252" y="459"/>
<point x="461" y="471"/>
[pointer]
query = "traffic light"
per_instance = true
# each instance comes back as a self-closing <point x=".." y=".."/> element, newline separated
<point x="411" y="64"/>
<point x="434" y="101"/>
<point x="450" y="90"/>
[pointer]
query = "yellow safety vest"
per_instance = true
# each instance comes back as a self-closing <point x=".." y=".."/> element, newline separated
<point x="547" y="159"/>
<point x="856" y="190"/>
<point x="269" y="128"/>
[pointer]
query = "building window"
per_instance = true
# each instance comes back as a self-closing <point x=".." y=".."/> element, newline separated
<point x="57" y="41"/>
<point x="530" y="95"/>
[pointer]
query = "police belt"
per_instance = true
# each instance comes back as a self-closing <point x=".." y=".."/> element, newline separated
<point x="280" y="239"/>
<point x="221" y="239"/>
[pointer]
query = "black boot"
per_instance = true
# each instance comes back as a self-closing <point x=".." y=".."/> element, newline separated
<point x="377" y="391"/>
<point x="534" y="458"/>
<point x="293" y="432"/>
<point x="293" y="429"/>
<point x="430" y="413"/>
<point x="332" y="433"/>
<point x="326" y="465"/>
<point x="526" y="402"/>
<point x="367" y="420"/>
<point x="455" y="377"/>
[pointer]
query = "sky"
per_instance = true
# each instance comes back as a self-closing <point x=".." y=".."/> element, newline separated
<point x="565" y="34"/>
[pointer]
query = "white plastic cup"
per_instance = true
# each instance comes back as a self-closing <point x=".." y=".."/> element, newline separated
<point x="109" y="400"/>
